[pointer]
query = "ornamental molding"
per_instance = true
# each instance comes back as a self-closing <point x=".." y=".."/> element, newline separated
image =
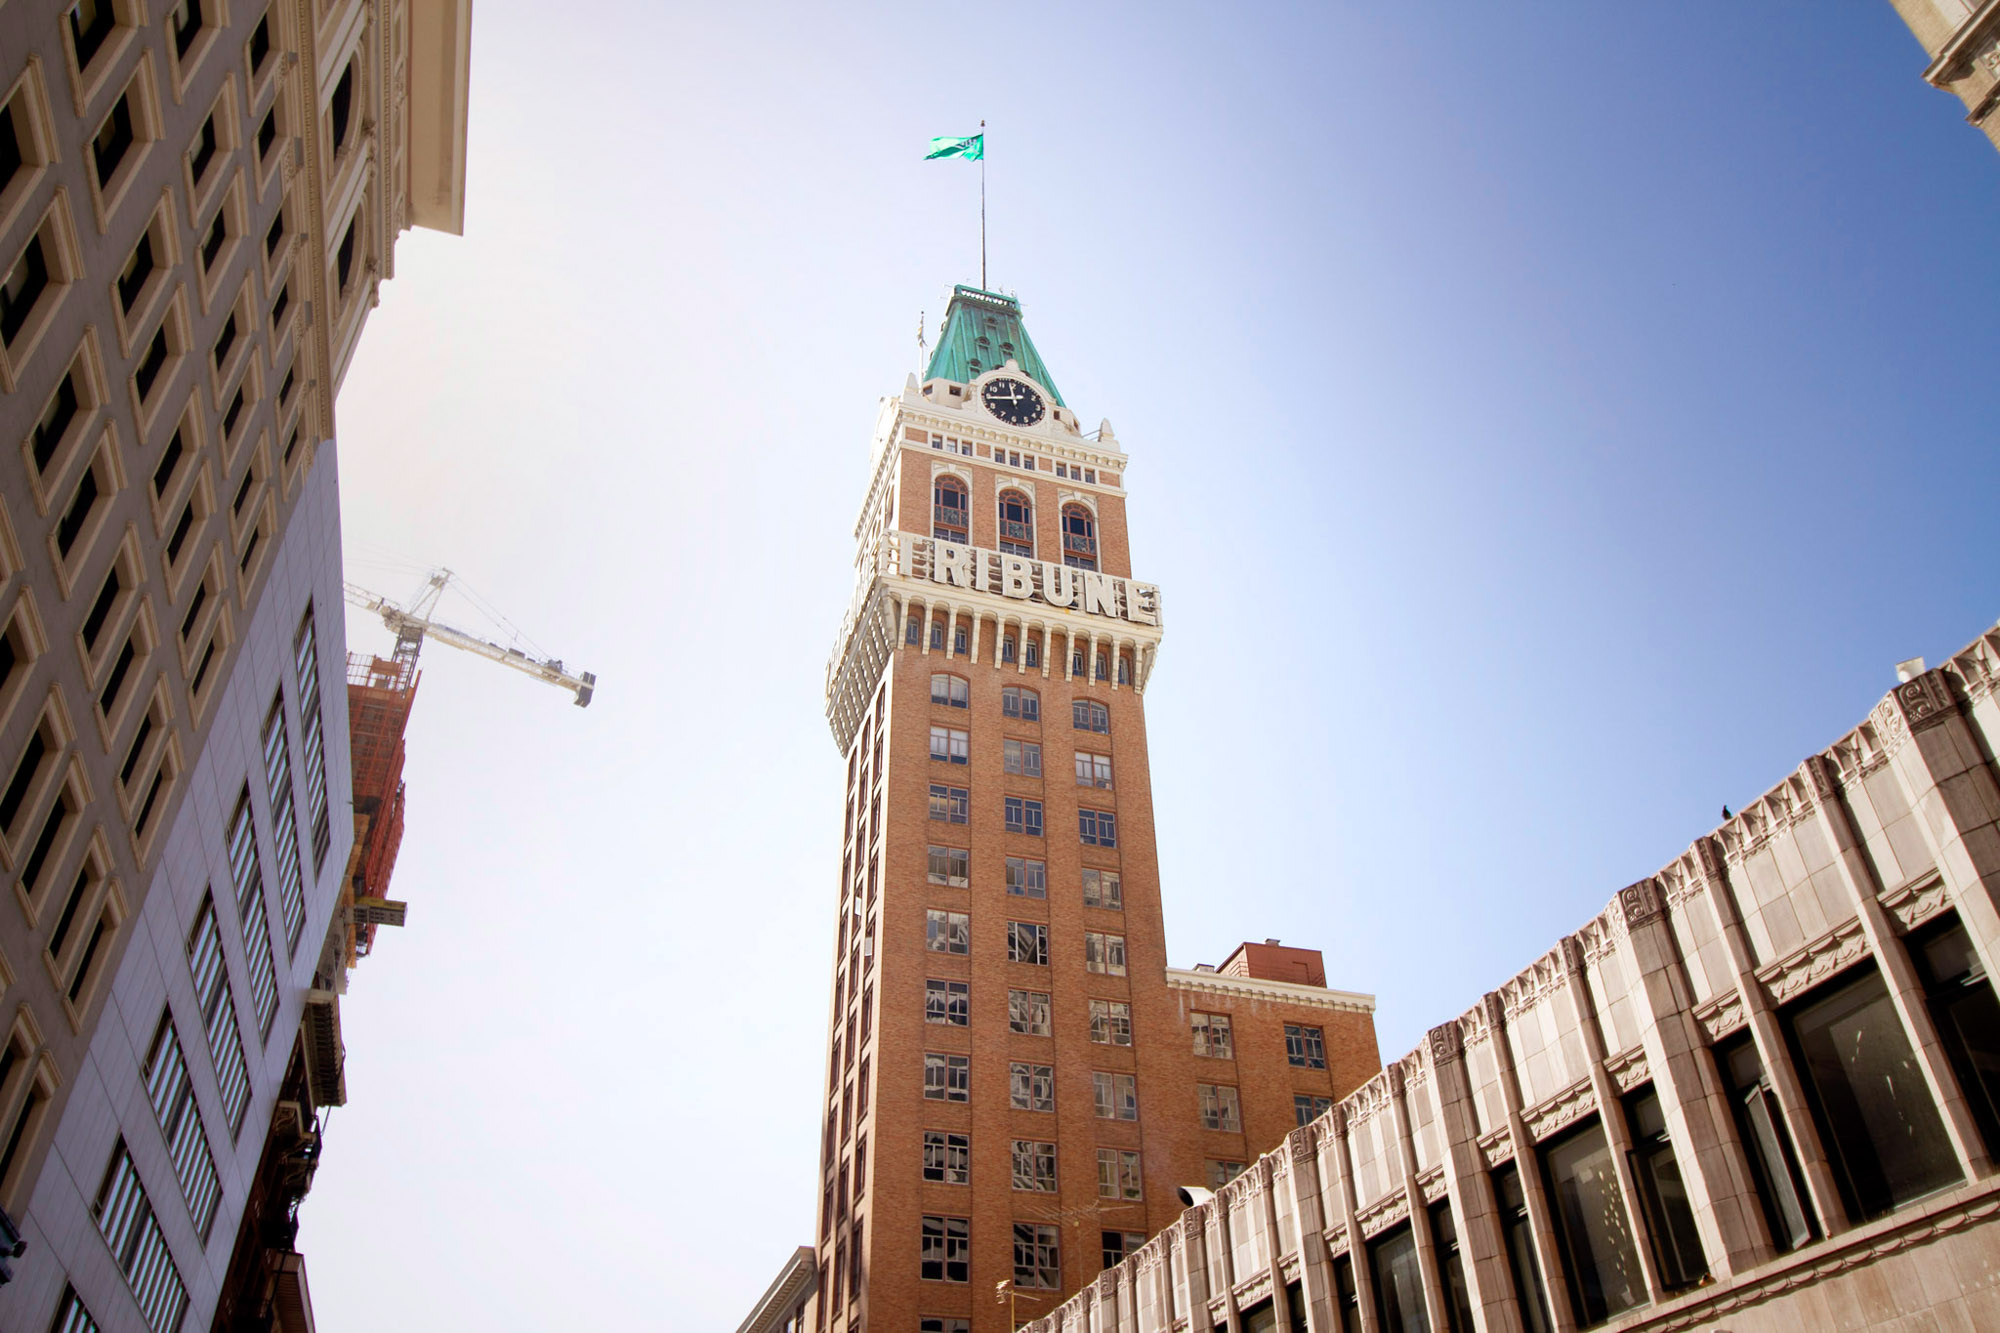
<point x="1951" y="1215"/>
<point x="1566" y="1107"/>
<point x="1446" y="1041"/>
<point x="1891" y="728"/>
<point x="1977" y="669"/>
<point x="1253" y="1290"/>
<point x="1918" y="901"/>
<point x="1627" y="1069"/>
<point x="1366" y="1102"/>
<point x="1430" y="1184"/>
<point x="1721" y="1015"/>
<point x="1336" y="1237"/>
<point x="1777" y="810"/>
<point x="1382" y="1214"/>
<point x="1256" y="988"/>
<point x="1303" y="1143"/>
<point x="1599" y="938"/>
<point x="1860" y="752"/>
<point x="939" y="468"/>
<point x="1806" y="967"/>
<point x="1497" y="1146"/>
<point x="1925" y="700"/>
<point x="1541" y="980"/>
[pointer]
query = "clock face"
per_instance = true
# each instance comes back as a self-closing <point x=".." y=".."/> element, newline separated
<point x="1013" y="402"/>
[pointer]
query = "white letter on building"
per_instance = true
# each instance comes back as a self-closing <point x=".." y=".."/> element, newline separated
<point x="1017" y="577"/>
<point x="1099" y="596"/>
<point x="1145" y="604"/>
<point x="1060" y="584"/>
<point x="951" y="563"/>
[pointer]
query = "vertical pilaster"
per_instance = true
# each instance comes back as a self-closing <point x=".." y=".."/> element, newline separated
<point x="976" y="619"/>
<point x="1727" y="1214"/>
<point x="1267" y="1177"/>
<point x="1528" y="1162"/>
<point x="1403" y="1124"/>
<point x="1194" y="1244"/>
<point x="1474" y="1210"/>
<point x="1309" y="1224"/>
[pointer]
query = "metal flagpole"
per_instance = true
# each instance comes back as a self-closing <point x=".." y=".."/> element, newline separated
<point x="982" y="205"/>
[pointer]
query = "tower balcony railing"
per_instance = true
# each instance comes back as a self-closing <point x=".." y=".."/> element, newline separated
<point x="1078" y="545"/>
<point x="949" y="516"/>
<point x="1017" y="531"/>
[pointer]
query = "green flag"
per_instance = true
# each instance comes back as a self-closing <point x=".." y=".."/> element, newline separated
<point x="972" y="147"/>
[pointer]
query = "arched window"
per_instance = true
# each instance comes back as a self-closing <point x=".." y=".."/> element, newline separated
<point x="1017" y="524"/>
<point x="950" y="691"/>
<point x="949" y="516"/>
<point x="1079" y="535"/>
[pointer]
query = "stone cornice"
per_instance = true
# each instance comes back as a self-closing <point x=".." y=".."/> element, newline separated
<point x="1281" y="992"/>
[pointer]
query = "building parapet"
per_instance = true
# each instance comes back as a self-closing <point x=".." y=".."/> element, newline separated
<point x="1256" y="988"/>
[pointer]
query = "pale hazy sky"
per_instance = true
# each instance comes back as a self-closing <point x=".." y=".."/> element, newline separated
<point x="1548" y="423"/>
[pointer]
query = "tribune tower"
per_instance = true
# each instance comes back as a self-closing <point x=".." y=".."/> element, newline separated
<point x="1017" y="1084"/>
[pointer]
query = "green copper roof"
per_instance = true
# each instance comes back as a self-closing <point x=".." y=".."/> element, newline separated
<point x="982" y="330"/>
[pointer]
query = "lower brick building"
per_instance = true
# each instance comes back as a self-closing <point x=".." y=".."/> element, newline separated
<point x="1759" y="1092"/>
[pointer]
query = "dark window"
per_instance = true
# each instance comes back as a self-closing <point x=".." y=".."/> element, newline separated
<point x="80" y="506"/>
<point x="1868" y="1094"/>
<point x="181" y="529"/>
<point x="138" y="267"/>
<point x="49" y="431"/>
<point x="113" y="140"/>
<point x="1019" y="703"/>
<point x="275" y="237"/>
<point x="1967" y="1017"/>
<point x="1518" y="1236"/>
<point x="204" y="150"/>
<point x="1079" y="536"/>
<point x="22" y="287"/>
<point x="11" y="159"/>
<point x="1669" y="1215"/>
<point x="1399" y="1283"/>
<point x="1024" y="816"/>
<point x="344" y="258"/>
<point x="1086" y="715"/>
<point x="1017" y="524"/>
<point x="342" y="108"/>
<point x="1596" y="1235"/>
<point x="225" y="340"/>
<point x="267" y="133"/>
<point x="1028" y="942"/>
<point x="948" y="510"/>
<point x="24" y="778"/>
<point x="952" y="805"/>
<point x="186" y="23"/>
<point x="1346" y="1296"/>
<point x="1451" y="1268"/>
<point x="211" y="244"/>
<point x="947" y="1002"/>
<point x="1305" y="1047"/>
<point x="229" y="428"/>
<point x="260" y="41"/>
<point x="100" y="610"/>
<point x="947" y="1249"/>
<point x="1118" y="1245"/>
<point x="152" y="363"/>
<point x="90" y="22"/>
<point x="1097" y="828"/>
<point x="1766" y="1143"/>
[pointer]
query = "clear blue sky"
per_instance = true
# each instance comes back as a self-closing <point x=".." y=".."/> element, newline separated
<point x="1549" y="423"/>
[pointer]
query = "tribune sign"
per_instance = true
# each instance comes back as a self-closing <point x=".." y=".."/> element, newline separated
<point x="1027" y="580"/>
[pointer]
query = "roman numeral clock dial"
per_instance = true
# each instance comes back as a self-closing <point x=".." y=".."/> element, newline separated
<point x="1013" y="402"/>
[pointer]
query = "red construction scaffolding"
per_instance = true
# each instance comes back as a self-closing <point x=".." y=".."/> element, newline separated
<point x="380" y="691"/>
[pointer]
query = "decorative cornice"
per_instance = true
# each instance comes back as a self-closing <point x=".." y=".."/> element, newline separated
<point x="1918" y="901"/>
<point x="1256" y="988"/>
<point x="1806" y="967"/>
<point x="1430" y="1184"/>
<point x="1447" y="1041"/>
<point x="1497" y="1147"/>
<point x="1571" y="1104"/>
<point x="1627" y="1069"/>
<point x="1925" y="700"/>
<point x="1720" y="1015"/>
<point x="1382" y="1214"/>
<point x="1640" y="904"/>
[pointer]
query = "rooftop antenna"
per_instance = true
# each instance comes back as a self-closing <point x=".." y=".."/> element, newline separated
<point x="982" y="207"/>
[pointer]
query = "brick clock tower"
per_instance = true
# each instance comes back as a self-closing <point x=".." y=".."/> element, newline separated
<point x="1017" y="1084"/>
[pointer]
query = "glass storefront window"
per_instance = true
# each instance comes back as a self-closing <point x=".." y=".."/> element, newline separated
<point x="1589" y="1208"/>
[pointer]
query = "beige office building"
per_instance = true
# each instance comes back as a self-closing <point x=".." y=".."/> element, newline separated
<point x="1962" y="38"/>
<point x="198" y="202"/>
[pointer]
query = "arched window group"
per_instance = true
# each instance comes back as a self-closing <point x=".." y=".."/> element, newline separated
<point x="1017" y="524"/>
<point x="1079" y="537"/>
<point x="949" y="510"/>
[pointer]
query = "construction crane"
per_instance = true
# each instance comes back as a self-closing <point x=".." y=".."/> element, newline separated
<point x="412" y="625"/>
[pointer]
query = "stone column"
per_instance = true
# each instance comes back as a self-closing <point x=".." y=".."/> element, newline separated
<point x="1309" y="1224"/>
<point x="1403" y="1125"/>
<point x="1906" y="990"/>
<point x="1474" y="1210"/>
<point x="1700" y="1124"/>
<point x="1222" y="1258"/>
<point x="1357" y="1252"/>
<point x="976" y="618"/>
<point x="1528" y="1165"/>
<point x="1046" y="645"/>
<point x="1267" y="1178"/>
<point x="1769" y="1038"/>
<point x="1194" y="1244"/>
<point x="924" y="634"/>
<point x="1610" y="1113"/>
<point x="1115" y="641"/>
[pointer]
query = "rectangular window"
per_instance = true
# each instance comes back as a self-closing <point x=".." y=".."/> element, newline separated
<point x="1034" y="1166"/>
<point x="951" y="865"/>
<point x="947" y="1249"/>
<point x="1031" y="1087"/>
<point x="1104" y="953"/>
<point x="1117" y="1095"/>
<point x="284" y="822"/>
<point x="949" y="746"/>
<point x="1517" y="1235"/>
<point x="947" y="1078"/>
<point x="1591" y="1224"/>
<point x="1220" y="1173"/>
<point x="1868" y="1094"/>
<point x="132" y="1233"/>
<point x="950" y="805"/>
<point x="1118" y="1175"/>
<point x="1024" y="705"/>
<point x="1219" y="1107"/>
<point x="1212" y="1036"/>
<point x="1024" y="816"/>
<point x="1120" y="1245"/>
<point x="1093" y="770"/>
<point x="1028" y="942"/>
<point x="172" y="1094"/>
<point x="1021" y="758"/>
<point x="947" y="932"/>
<point x="1451" y="1267"/>
<point x="1399" y="1282"/>
<point x="1669" y="1214"/>
<point x="1028" y="1012"/>
<point x="248" y="877"/>
<point x="1305" y="1047"/>
<point x="1097" y="828"/>
<point x="1037" y="1258"/>
<point x="1031" y="655"/>
<point x="950" y="691"/>
<point x="947" y="1002"/>
<point x="1309" y="1108"/>
<point x="71" y="1316"/>
<point x="217" y="1007"/>
<point x="1101" y="889"/>
<point x="947" y="1158"/>
<point x="1111" y="1022"/>
<point x="1027" y="878"/>
<point x="1959" y="995"/>
<point x="312" y="740"/>
<point x="1087" y="715"/>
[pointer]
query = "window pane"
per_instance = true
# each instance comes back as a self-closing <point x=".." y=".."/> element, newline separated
<point x="1875" y="1113"/>
<point x="1590" y="1214"/>
<point x="1399" y="1283"/>
<point x="1967" y="1017"/>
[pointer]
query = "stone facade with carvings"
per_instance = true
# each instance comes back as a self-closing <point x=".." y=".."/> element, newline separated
<point x="1759" y="1091"/>
<point x="1962" y="38"/>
